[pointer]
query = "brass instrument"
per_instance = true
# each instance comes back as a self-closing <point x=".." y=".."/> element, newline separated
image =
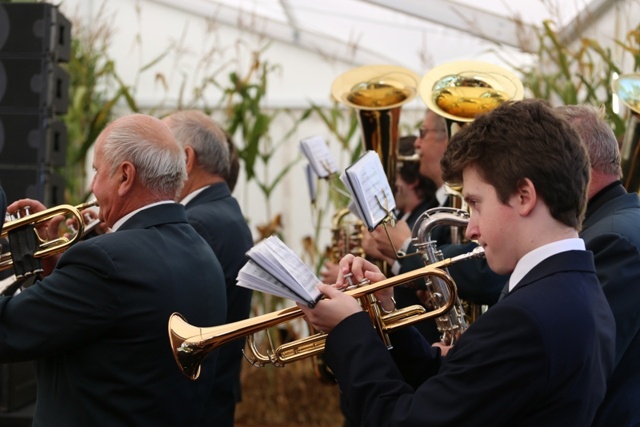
<point x="459" y="91"/>
<point x="191" y="344"/>
<point x="346" y="236"/>
<point x="413" y="158"/>
<point x="377" y="93"/>
<point x="45" y="248"/>
<point x="627" y="87"/>
<point x="452" y="324"/>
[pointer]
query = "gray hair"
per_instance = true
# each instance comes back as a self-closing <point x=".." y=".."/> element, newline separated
<point x="148" y="144"/>
<point x="597" y="136"/>
<point x="209" y="142"/>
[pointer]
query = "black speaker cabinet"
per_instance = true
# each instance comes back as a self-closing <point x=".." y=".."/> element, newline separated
<point x="34" y="30"/>
<point x="33" y="84"/>
<point x="32" y="139"/>
<point x="17" y="386"/>
<point x="36" y="182"/>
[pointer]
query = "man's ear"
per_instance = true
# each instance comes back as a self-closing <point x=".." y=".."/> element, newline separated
<point x="191" y="158"/>
<point x="526" y="196"/>
<point x="127" y="175"/>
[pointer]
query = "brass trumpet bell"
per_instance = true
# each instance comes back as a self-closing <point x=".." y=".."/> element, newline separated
<point x="462" y="90"/>
<point x="375" y="87"/>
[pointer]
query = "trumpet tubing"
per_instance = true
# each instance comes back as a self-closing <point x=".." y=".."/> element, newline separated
<point x="191" y="344"/>
<point x="46" y="248"/>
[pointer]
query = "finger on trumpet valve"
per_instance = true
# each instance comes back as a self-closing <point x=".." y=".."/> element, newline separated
<point x="349" y="282"/>
<point x="72" y="226"/>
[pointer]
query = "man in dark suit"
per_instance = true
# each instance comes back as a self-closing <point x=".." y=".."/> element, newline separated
<point x="541" y="356"/>
<point x="611" y="232"/>
<point x="217" y="217"/>
<point x="96" y="325"/>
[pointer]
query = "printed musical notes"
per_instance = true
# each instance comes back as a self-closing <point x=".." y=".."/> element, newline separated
<point x="372" y="199"/>
<point x="275" y="269"/>
<point x="316" y="150"/>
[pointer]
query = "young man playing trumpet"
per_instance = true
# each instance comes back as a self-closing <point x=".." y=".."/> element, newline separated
<point x="543" y="353"/>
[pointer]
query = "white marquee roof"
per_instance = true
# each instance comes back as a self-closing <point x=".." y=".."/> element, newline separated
<point x="414" y="33"/>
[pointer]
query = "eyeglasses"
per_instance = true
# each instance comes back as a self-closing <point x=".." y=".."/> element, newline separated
<point x="424" y="132"/>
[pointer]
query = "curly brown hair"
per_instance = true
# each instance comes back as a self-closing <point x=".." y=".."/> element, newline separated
<point x="524" y="139"/>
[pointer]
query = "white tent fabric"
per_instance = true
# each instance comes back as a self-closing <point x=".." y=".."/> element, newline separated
<point x="313" y="42"/>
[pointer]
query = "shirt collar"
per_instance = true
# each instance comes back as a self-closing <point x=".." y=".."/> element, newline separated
<point x="441" y="195"/>
<point x="536" y="256"/>
<point x="189" y="197"/>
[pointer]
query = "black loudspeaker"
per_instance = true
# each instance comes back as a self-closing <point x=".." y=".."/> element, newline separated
<point x="33" y="84"/>
<point x="34" y="89"/>
<point x="34" y="30"/>
<point x="35" y="182"/>
<point x="28" y="140"/>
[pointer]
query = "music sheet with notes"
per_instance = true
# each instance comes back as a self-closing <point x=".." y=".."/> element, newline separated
<point x="316" y="150"/>
<point x="371" y="193"/>
<point x="275" y="269"/>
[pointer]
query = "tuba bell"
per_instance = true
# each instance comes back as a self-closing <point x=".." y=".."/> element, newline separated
<point x="377" y="93"/>
<point x="459" y="91"/>
<point x="627" y="87"/>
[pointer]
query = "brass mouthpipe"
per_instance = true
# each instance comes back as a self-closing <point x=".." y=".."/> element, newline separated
<point x="191" y="344"/>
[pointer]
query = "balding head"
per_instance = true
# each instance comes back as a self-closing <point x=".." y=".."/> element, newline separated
<point x="149" y="145"/>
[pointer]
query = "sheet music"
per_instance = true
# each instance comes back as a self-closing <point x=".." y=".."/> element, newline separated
<point x="275" y="269"/>
<point x="311" y="183"/>
<point x="370" y="190"/>
<point x="316" y="150"/>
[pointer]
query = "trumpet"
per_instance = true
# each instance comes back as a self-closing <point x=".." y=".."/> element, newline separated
<point x="191" y="344"/>
<point x="45" y="248"/>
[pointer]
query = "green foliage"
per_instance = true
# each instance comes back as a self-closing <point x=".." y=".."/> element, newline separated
<point x="578" y="73"/>
<point x="91" y="71"/>
<point x="247" y="118"/>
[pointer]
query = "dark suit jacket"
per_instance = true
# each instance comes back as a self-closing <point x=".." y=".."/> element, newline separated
<point x="217" y="217"/>
<point x="97" y="325"/>
<point x="612" y="232"/>
<point x="539" y="357"/>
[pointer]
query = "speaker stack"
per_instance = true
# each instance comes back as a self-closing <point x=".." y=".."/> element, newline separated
<point x="35" y="38"/>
